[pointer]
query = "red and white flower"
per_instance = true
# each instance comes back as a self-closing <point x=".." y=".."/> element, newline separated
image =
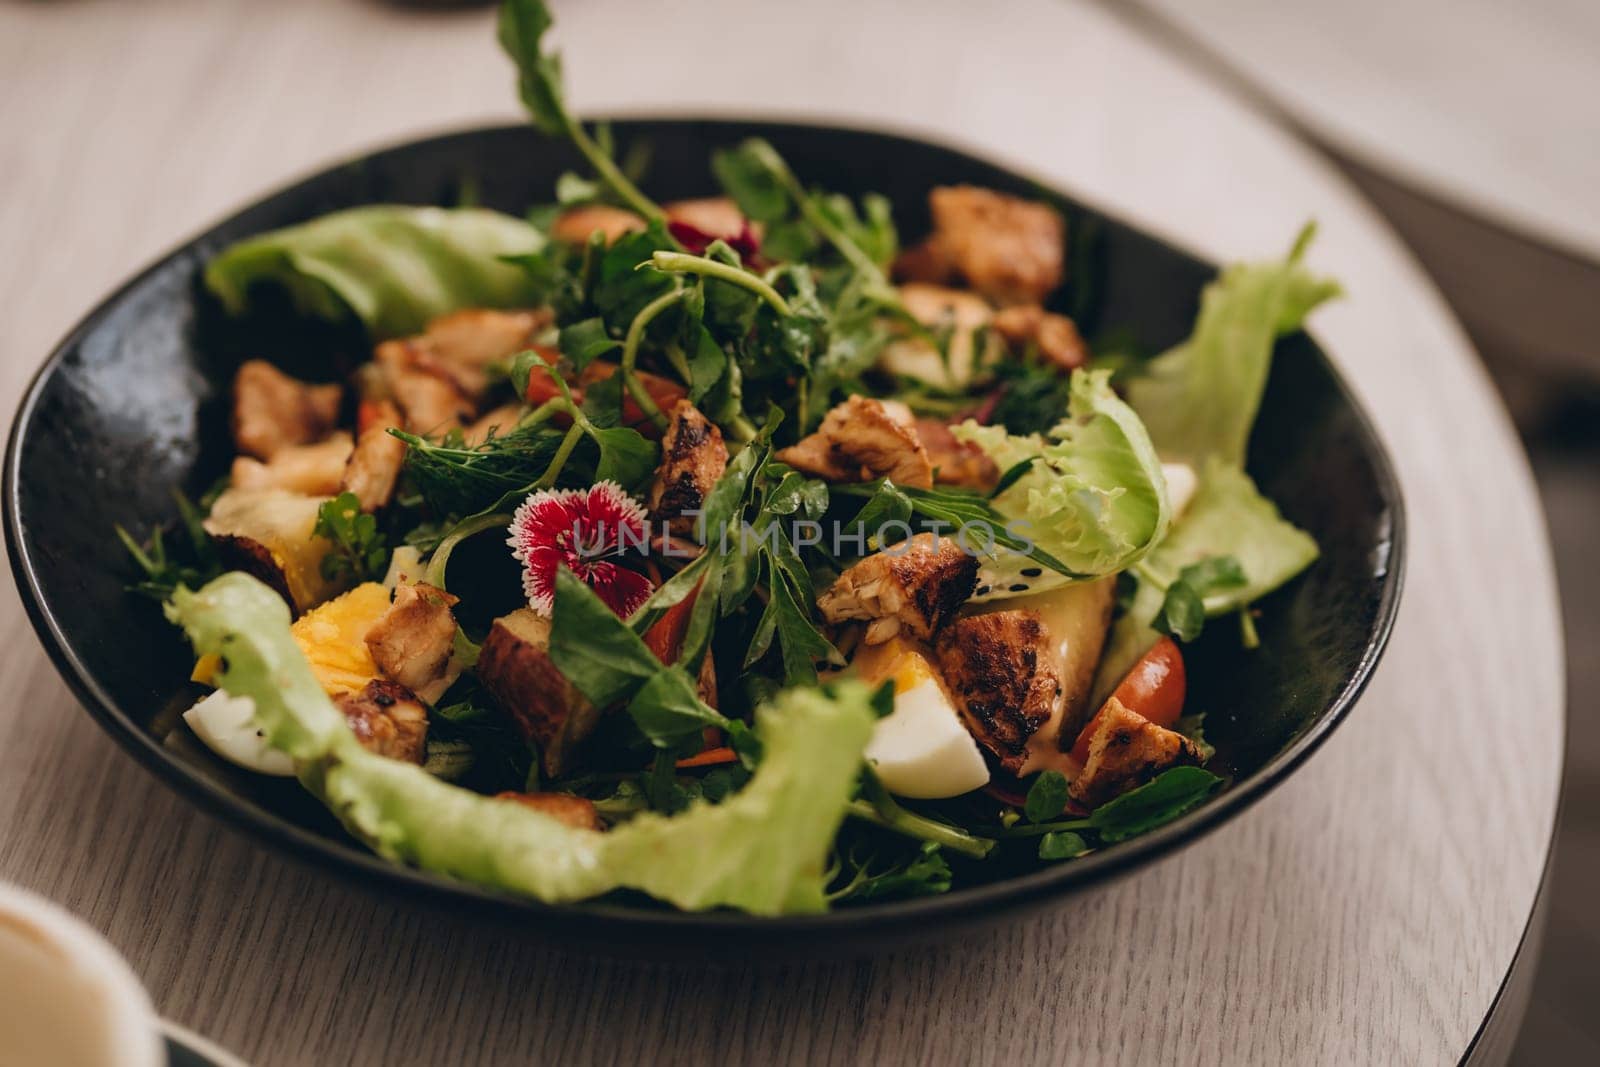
<point x="584" y="530"/>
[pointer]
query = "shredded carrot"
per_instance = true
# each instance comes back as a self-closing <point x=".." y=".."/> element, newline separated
<point x="709" y="758"/>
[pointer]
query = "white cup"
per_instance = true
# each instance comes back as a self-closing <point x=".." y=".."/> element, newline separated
<point x="66" y="998"/>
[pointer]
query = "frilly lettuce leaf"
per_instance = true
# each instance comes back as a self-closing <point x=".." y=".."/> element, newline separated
<point x="1094" y="498"/>
<point x="762" y="850"/>
<point x="394" y="267"/>
<point x="1200" y="399"/>
<point x="1228" y="517"/>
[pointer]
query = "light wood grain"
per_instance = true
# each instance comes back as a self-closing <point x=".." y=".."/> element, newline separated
<point x="1365" y="912"/>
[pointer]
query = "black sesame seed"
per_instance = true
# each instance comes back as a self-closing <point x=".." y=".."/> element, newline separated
<point x="981" y="590"/>
<point x="1032" y="572"/>
<point x="1020" y="587"/>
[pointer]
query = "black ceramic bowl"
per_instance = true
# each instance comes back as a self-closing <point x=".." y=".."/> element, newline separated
<point x="133" y="404"/>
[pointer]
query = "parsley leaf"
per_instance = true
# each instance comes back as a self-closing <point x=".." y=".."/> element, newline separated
<point x="359" y="550"/>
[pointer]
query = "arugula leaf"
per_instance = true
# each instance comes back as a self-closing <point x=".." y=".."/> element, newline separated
<point x="609" y="664"/>
<point x="1200" y="399"/>
<point x="394" y="268"/>
<point x="1047" y="797"/>
<point x="359" y="550"/>
<point x="1158" y="801"/>
<point x="522" y="27"/>
<point x="752" y="184"/>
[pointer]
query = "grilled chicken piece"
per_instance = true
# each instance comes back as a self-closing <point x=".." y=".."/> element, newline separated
<point x="1008" y="249"/>
<point x="714" y="216"/>
<point x="1055" y="337"/>
<point x="464" y="344"/>
<point x="375" y="462"/>
<point x="576" y="812"/>
<point x="693" y="457"/>
<point x="1127" y="750"/>
<point x="413" y="641"/>
<point x="514" y="666"/>
<point x="429" y="398"/>
<point x="1003" y="682"/>
<point x="272" y="410"/>
<point x="860" y="440"/>
<point x="387" y="718"/>
<point x="315" y="469"/>
<point x="914" y="586"/>
<point x="956" y="462"/>
<point x="498" y="423"/>
<point x="575" y="225"/>
<point x="965" y="315"/>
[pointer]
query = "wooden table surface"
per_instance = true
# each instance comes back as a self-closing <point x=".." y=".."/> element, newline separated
<point x="1367" y="911"/>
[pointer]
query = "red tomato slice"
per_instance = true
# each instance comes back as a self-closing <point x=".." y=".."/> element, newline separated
<point x="1154" y="688"/>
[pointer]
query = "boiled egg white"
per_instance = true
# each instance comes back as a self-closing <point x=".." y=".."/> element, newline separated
<point x="921" y="749"/>
<point x="226" y="725"/>
<point x="1181" y="485"/>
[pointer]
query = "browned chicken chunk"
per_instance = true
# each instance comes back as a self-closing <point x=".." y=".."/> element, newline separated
<point x="1003" y="685"/>
<point x="860" y="440"/>
<point x="1006" y="248"/>
<point x="375" y="462"/>
<point x="464" y="344"/>
<point x="693" y="457"/>
<point x="914" y="586"/>
<point x="429" y="399"/>
<point x="574" y="811"/>
<point x="387" y="718"/>
<point x="312" y="469"/>
<point x="956" y="462"/>
<point x="1127" y="750"/>
<point x="497" y="423"/>
<point x="1055" y="337"/>
<point x="514" y="666"/>
<point x="575" y="225"/>
<point x="272" y="410"/>
<point x="413" y="641"/>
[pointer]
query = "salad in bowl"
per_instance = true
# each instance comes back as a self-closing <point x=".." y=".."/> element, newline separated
<point x="733" y="550"/>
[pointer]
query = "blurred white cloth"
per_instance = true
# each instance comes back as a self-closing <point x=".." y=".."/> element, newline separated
<point x="1491" y="104"/>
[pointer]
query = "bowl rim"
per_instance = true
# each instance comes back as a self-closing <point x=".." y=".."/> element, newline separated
<point x="611" y="921"/>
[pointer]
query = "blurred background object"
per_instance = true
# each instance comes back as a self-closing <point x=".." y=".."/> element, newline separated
<point x="1474" y="127"/>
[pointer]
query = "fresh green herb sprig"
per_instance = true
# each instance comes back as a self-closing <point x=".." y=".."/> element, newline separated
<point x="877" y="807"/>
<point x="360" y="552"/>
<point x="1160" y="800"/>
<point x="1183" y="608"/>
<point x="944" y="510"/>
<point x="523" y="24"/>
<point x="870" y="873"/>
<point x="192" y="563"/>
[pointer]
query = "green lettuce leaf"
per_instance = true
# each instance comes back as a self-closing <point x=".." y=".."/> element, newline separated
<point x="1200" y="399"/>
<point x="394" y="267"/>
<point x="1228" y="517"/>
<point x="762" y="849"/>
<point x="1094" y="498"/>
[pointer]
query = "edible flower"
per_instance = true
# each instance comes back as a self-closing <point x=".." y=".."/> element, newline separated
<point x="583" y="530"/>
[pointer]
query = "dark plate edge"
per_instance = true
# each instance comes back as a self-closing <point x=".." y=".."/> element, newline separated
<point x="615" y="922"/>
